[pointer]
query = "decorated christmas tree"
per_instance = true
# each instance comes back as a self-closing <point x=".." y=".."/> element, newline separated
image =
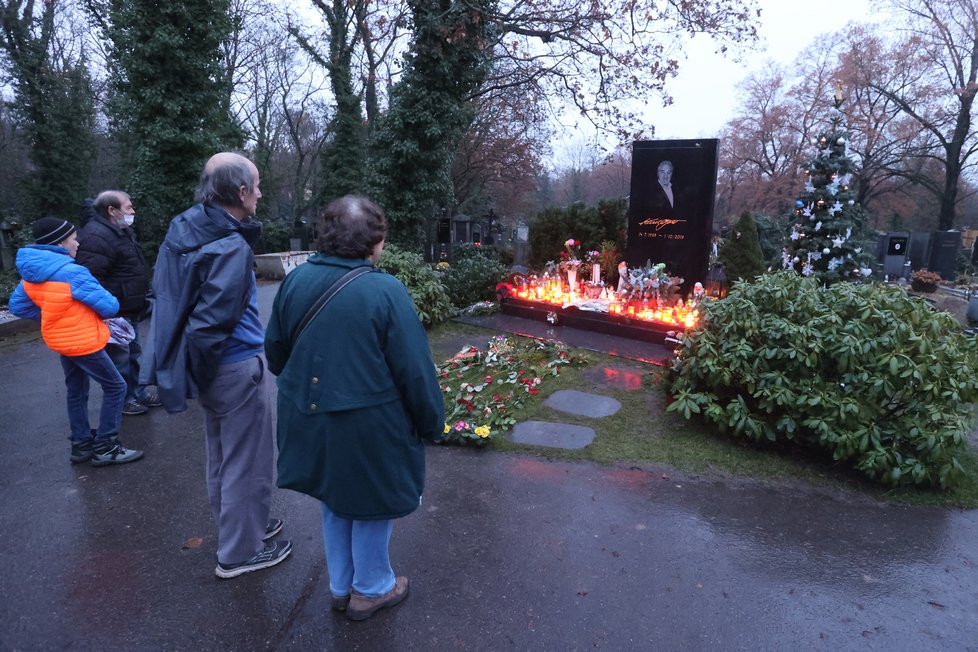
<point x="823" y="241"/>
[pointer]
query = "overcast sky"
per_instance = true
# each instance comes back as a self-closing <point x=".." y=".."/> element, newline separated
<point x="705" y="92"/>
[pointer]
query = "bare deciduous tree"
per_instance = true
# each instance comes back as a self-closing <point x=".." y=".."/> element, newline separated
<point x="934" y="85"/>
<point x="279" y="101"/>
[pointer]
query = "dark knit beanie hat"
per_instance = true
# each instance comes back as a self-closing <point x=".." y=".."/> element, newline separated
<point x="51" y="230"/>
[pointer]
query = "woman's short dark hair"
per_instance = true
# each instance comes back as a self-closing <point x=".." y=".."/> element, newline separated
<point x="222" y="184"/>
<point x="350" y="227"/>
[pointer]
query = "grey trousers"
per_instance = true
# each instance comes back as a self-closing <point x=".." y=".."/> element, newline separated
<point x="240" y="457"/>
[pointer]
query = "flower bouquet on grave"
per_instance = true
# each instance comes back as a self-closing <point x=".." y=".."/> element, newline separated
<point x="652" y="284"/>
<point x="570" y="262"/>
<point x="594" y="286"/>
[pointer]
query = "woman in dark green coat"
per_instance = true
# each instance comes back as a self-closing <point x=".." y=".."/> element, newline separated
<point x="357" y="395"/>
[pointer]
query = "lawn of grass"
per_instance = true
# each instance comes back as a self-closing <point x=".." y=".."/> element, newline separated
<point x="643" y="434"/>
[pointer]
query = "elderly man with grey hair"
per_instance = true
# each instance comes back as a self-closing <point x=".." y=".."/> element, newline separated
<point x="208" y="343"/>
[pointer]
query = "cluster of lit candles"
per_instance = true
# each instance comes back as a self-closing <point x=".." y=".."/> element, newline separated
<point x="553" y="292"/>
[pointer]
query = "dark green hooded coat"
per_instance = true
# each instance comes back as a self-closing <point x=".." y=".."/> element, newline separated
<point x="357" y="393"/>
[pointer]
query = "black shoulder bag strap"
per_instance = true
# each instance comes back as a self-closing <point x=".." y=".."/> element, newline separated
<point x="317" y="307"/>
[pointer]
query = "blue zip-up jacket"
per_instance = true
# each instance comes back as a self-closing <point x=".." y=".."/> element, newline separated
<point x="64" y="297"/>
<point x="206" y="307"/>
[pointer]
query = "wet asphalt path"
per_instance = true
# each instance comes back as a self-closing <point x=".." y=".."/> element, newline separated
<point x="507" y="552"/>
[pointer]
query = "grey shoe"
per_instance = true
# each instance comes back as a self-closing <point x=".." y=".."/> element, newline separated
<point x="134" y="407"/>
<point x="274" y="527"/>
<point x="362" y="607"/>
<point x="150" y="398"/>
<point x="110" y="451"/>
<point x="81" y="451"/>
<point x="274" y="553"/>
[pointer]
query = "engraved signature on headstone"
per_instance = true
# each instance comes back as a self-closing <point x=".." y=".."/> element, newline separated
<point x="660" y="223"/>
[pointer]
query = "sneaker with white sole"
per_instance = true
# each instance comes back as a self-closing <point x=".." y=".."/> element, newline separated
<point x="111" y="451"/>
<point x="274" y="553"/>
<point x="274" y="527"/>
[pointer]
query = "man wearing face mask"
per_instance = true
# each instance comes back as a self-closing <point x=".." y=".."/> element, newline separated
<point x="109" y="250"/>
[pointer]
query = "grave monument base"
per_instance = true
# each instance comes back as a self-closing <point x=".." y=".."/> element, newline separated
<point x="574" y="317"/>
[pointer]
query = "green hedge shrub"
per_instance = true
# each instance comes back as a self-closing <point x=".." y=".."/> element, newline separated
<point x="554" y="226"/>
<point x="274" y="236"/>
<point x="469" y="250"/>
<point x="741" y="254"/>
<point x="429" y="295"/>
<point x="473" y="277"/>
<point x="867" y="373"/>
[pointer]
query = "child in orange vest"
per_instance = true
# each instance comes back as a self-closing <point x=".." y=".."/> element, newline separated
<point x="71" y="305"/>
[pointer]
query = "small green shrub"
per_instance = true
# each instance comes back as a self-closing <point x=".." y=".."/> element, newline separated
<point x="274" y="236"/>
<point x="741" y="254"/>
<point x="867" y="373"/>
<point x="429" y="295"/>
<point x="473" y="278"/>
<point x="468" y="250"/>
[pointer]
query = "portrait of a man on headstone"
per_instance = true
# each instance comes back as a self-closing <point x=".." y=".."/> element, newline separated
<point x="663" y="198"/>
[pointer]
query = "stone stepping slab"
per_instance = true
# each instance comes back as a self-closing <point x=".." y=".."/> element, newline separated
<point x="551" y="434"/>
<point x="583" y="404"/>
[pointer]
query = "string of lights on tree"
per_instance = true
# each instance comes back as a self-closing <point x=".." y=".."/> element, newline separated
<point x="822" y="242"/>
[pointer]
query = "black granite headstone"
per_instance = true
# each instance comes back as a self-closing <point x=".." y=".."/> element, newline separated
<point x="670" y="212"/>
<point x="944" y="253"/>
<point x="918" y="250"/>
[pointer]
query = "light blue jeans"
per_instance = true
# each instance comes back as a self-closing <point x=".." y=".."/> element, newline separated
<point x="357" y="555"/>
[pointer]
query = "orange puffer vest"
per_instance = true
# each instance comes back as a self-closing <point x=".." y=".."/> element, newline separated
<point x="66" y="298"/>
<point x="68" y="327"/>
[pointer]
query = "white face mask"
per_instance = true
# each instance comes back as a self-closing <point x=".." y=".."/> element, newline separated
<point x="128" y="219"/>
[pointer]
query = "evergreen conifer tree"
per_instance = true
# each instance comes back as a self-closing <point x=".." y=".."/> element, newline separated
<point x="342" y="157"/>
<point x="741" y="254"/>
<point x="430" y="110"/>
<point x="823" y="241"/>
<point x="54" y="105"/>
<point x="171" y="99"/>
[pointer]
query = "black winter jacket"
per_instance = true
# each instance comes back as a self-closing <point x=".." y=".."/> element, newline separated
<point x="112" y="256"/>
